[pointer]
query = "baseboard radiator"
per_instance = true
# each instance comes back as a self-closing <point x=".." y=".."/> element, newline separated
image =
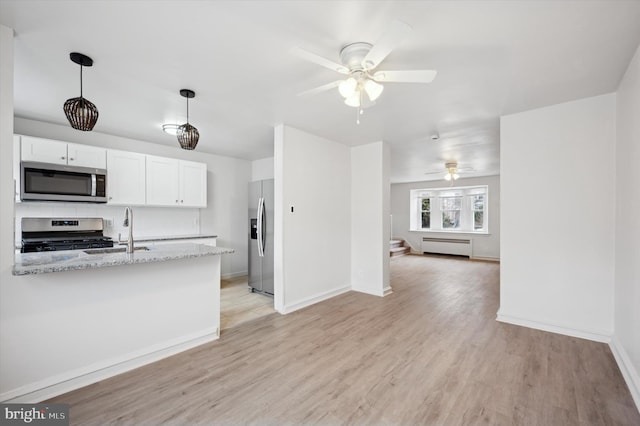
<point x="457" y="246"/>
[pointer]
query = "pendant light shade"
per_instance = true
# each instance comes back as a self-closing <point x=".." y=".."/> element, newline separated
<point x="81" y="113"/>
<point x="187" y="134"/>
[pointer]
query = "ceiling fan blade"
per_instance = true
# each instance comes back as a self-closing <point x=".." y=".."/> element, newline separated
<point x="412" y="76"/>
<point x="436" y="173"/>
<point x="394" y="35"/>
<point x="320" y="89"/>
<point x="319" y="60"/>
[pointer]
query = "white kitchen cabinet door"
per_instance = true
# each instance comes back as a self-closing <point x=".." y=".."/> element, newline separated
<point x="86" y="156"/>
<point x="163" y="181"/>
<point x="126" y="178"/>
<point x="193" y="184"/>
<point x="57" y="152"/>
<point x="43" y="150"/>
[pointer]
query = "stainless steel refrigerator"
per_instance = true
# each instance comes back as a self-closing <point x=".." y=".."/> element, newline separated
<point x="261" y="202"/>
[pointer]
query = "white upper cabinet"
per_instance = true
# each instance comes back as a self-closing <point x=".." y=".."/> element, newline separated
<point x="86" y="156"/>
<point x="193" y="184"/>
<point x="43" y="150"/>
<point x="132" y="178"/>
<point x="163" y="181"/>
<point x="57" y="152"/>
<point x="176" y="182"/>
<point x="126" y="178"/>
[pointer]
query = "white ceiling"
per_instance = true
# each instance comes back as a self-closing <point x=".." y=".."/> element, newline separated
<point x="493" y="58"/>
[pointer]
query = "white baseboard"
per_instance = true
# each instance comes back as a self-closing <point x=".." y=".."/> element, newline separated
<point x="488" y="259"/>
<point x="387" y="291"/>
<point x="75" y="379"/>
<point x="231" y="275"/>
<point x="287" y="309"/>
<point x="598" y="336"/>
<point x="628" y="370"/>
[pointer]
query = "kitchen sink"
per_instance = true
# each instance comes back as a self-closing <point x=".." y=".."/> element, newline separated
<point x="114" y="250"/>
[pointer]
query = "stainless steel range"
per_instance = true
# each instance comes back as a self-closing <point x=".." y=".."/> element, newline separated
<point x="53" y="234"/>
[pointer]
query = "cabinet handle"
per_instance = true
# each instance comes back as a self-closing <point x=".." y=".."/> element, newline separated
<point x="176" y="201"/>
<point x="62" y="158"/>
<point x="70" y="158"/>
<point x="110" y="198"/>
<point x="182" y="201"/>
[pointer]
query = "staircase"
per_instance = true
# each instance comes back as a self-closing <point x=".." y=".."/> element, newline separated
<point x="397" y="248"/>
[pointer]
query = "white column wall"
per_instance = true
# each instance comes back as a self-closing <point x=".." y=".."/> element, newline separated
<point x="626" y="342"/>
<point x="557" y="217"/>
<point x="312" y="242"/>
<point x="370" y="225"/>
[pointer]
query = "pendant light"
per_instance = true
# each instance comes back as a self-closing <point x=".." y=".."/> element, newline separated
<point x="81" y="113"/>
<point x="187" y="134"/>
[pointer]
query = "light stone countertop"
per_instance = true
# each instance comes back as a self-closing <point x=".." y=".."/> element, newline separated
<point x="69" y="260"/>
<point x="170" y="238"/>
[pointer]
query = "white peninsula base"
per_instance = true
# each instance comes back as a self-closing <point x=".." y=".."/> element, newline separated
<point x="65" y="330"/>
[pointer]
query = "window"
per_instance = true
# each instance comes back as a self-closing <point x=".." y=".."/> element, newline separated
<point x="462" y="209"/>
<point x="477" y="207"/>
<point x="425" y="213"/>
<point x="450" y="207"/>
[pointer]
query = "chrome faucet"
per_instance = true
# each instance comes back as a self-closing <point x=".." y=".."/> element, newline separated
<point x="128" y="222"/>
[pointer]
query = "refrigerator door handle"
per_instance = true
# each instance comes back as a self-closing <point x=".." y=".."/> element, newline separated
<point x="263" y="228"/>
<point x="260" y="214"/>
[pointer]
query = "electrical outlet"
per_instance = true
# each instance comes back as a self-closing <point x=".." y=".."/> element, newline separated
<point x="108" y="223"/>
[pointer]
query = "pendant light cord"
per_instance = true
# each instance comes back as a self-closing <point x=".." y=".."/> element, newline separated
<point x="80" y="80"/>
<point x="187" y="109"/>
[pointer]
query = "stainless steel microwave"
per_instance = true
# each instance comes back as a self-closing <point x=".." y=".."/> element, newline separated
<point x="53" y="182"/>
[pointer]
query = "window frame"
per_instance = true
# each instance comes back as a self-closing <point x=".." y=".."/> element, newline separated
<point x="467" y="209"/>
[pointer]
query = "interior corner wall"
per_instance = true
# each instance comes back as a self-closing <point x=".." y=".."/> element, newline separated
<point x="557" y="217"/>
<point x="312" y="232"/>
<point x="626" y="344"/>
<point x="370" y="228"/>
<point x="484" y="245"/>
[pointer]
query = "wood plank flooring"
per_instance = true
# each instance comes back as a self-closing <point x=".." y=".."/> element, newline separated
<point x="430" y="353"/>
<point x="238" y="305"/>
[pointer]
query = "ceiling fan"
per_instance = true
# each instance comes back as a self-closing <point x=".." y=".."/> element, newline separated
<point x="359" y="62"/>
<point x="451" y="171"/>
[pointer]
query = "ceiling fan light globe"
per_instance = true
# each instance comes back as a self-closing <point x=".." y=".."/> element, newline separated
<point x="447" y="177"/>
<point x="353" y="100"/>
<point x="373" y="89"/>
<point x="348" y="87"/>
<point x="455" y="176"/>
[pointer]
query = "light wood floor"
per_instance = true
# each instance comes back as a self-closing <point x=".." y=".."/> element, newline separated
<point x="430" y="353"/>
<point x="238" y="305"/>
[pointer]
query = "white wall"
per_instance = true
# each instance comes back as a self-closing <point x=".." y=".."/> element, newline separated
<point x="370" y="218"/>
<point x="557" y="217"/>
<point x="262" y="169"/>
<point x="627" y="269"/>
<point x="484" y="245"/>
<point x="227" y="195"/>
<point x="312" y="243"/>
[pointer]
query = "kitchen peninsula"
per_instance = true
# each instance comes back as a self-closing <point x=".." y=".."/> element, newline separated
<point x="110" y="312"/>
